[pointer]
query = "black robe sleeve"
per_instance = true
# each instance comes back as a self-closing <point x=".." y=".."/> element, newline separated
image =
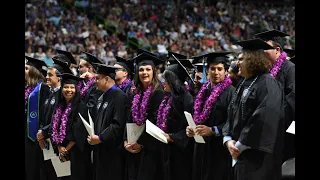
<point x="80" y="133"/>
<point x="44" y="94"/>
<point x="227" y="99"/>
<point x="180" y="138"/>
<point x="114" y="131"/>
<point x="92" y="96"/>
<point x="290" y="97"/>
<point x="265" y="124"/>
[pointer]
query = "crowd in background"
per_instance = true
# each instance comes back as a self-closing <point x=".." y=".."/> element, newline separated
<point x="109" y="28"/>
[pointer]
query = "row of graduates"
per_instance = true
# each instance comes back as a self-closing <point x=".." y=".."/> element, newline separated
<point x="250" y="116"/>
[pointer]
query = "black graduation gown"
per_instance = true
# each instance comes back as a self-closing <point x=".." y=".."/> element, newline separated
<point x="286" y="76"/>
<point x="127" y="89"/>
<point x="259" y="125"/>
<point x="212" y="160"/>
<point x="90" y="100"/>
<point x="91" y="97"/>
<point x="78" y="168"/>
<point x="110" y="119"/>
<point x="146" y="164"/>
<point x="177" y="156"/>
<point x="33" y="152"/>
<point x="47" y="169"/>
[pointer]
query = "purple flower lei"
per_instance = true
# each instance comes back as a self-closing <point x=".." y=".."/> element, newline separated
<point x="124" y="83"/>
<point x="201" y="115"/>
<point x="58" y="137"/>
<point x="83" y="91"/>
<point x="187" y="87"/>
<point x="163" y="111"/>
<point x="27" y="92"/>
<point x="278" y="64"/>
<point x="139" y="116"/>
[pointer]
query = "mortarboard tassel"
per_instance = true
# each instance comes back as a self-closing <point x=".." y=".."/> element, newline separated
<point x="204" y="75"/>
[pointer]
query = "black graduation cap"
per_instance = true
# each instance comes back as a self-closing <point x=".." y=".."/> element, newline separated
<point x="61" y="66"/>
<point x="147" y="59"/>
<point x="91" y="59"/>
<point x="185" y="62"/>
<point x="180" y="70"/>
<point x="68" y="55"/>
<point x="37" y="63"/>
<point x="177" y="55"/>
<point x="254" y="45"/>
<point x="199" y="66"/>
<point x="214" y="57"/>
<point x="126" y="64"/>
<point x="140" y="51"/>
<point x="67" y="78"/>
<point x="274" y="35"/>
<point x="269" y="35"/>
<point x="290" y="52"/>
<point x="106" y="70"/>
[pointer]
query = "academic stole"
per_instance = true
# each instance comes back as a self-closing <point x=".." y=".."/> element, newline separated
<point x="33" y="112"/>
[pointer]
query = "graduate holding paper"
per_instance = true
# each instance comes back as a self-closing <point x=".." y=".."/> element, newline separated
<point x="109" y="117"/>
<point x="54" y="82"/>
<point x="177" y="154"/>
<point x="144" y="160"/>
<point x="64" y="127"/>
<point x="36" y="93"/>
<point x="212" y="160"/>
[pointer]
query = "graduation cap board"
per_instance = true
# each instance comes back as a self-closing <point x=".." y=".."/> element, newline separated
<point x="140" y="51"/>
<point x="67" y="78"/>
<point x="214" y="57"/>
<point x="37" y="63"/>
<point x="147" y="59"/>
<point x="91" y="59"/>
<point x="61" y="66"/>
<point x="268" y="35"/>
<point x="106" y="70"/>
<point x="177" y="55"/>
<point x="180" y="70"/>
<point x="274" y="35"/>
<point x="68" y="55"/>
<point x="254" y="45"/>
<point x="128" y="65"/>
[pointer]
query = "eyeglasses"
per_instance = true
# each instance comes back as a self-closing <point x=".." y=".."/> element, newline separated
<point x="120" y="69"/>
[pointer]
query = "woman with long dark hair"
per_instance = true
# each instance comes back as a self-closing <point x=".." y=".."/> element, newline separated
<point x="143" y="161"/>
<point x="65" y="127"/>
<point x="177" y="153"/>
<point x="36" y="92"/>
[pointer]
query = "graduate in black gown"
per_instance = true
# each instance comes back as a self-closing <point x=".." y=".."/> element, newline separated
<point x="124" y="74"/>
<point x="212" y="160"/>
<point x="87" y="70"/>
<point x="177" y="154"/>
<point x="67" y="57"/>
<point x="187" y="64"/>
<point x="109" y="116"/>
<point x="199" y="77"/>
<point x="64" y="120"/>
<point x="143" y="161"/>
<point x="284" y="71"/>
<point x="36" y="93"/>
<point x="233" y="73"/>
<point x="255" y="127"/>
<point x="54" y="82"/>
